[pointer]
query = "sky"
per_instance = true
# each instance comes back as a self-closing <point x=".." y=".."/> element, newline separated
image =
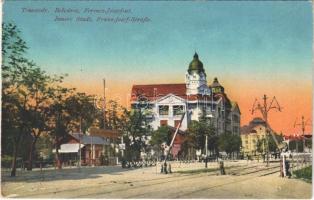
<point x="254" y="48"/>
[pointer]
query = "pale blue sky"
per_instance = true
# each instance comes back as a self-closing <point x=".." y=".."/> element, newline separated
<point x="234" y="38"/>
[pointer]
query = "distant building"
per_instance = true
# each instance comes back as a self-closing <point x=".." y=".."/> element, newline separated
<point x="250" y="134"/>
<point x="165" y="103"/>
<point x="96" y="146"/>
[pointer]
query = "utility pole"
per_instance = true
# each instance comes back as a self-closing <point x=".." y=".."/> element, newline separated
<point x="303" y="124"/>
<point x="206" y="150"/>
<point x="104" y="106"/>
<point x="80" y="149"/>
<point x="264" y="109"/>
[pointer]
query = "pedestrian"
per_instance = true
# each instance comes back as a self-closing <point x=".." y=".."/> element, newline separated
<point x="221" y="167"/>
<point x="165" y="168"/>
<point x="287" y="168"/>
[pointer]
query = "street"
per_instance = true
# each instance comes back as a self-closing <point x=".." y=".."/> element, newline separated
<point x="242" y="180"/>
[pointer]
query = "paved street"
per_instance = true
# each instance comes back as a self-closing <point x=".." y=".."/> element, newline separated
<point x="243" y="180"/>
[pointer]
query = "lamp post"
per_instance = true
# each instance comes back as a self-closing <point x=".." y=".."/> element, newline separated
<point x="303" y="125"/>
<point x="206" y="142"/>
<point x="206" y="150"/>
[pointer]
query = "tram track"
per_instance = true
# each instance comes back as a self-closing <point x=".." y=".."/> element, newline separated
<point x="259" y="174"/>
<point x="111" y="183"/>
<point x="245" y="178"/>
<point x="159" y="183"/>
<point x="125" y="185"/>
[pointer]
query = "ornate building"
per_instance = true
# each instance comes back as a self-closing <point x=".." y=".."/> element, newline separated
<point x="165" y="103"/>
<point x="251" y="134"/>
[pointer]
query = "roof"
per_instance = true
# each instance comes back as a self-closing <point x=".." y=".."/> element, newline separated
<point x="247" y="129"/>
<point x="234" y="106"/>
<point x="215" y="83"/>
<point x="86" y="139"/>
<point x="257" y="121"/>
<point x="104" y="133"/>
<point x="154" y="91"/>
<point x="297" y="137"/>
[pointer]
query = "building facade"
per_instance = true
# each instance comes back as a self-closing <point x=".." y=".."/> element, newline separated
<point x="250" y="135"/>
<point x="164" y="104"/>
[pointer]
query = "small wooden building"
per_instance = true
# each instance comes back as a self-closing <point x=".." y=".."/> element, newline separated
<point x="99" y="147"/>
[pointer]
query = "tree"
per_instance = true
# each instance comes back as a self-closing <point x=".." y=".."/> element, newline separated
<point x="236" y="144"/>
<point x="15" y="68"/>
<point x="308" y="143"/>
<point x="82" y="111"/>
<point x="198" y="131"/>
<point x="38" y="90"/>
<point x="260" y="145"/>
<point x="135" y="132"/>
<point x="161" y="135"/>
<point x="268" y="144"/>
<point x="271" y="142"/>
<point x="229" y="143"/>
<point x="59" y="120"/>
<point x="70" y="111"/>
<point x="113" y="112"/>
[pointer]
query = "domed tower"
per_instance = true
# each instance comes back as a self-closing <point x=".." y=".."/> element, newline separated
<point x="195" y="78"/>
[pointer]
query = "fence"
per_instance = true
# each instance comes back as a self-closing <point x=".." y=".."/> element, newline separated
<point x="300" y="161"/>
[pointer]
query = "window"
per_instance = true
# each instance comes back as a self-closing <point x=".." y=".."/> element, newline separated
<point x="163" y="110"/>
<point x="178" y="110"/>
<point x="163" y="122"/>
<point x="235" y="130"/>
<point x="216" y="90"/>
<point x="236" y="118"/>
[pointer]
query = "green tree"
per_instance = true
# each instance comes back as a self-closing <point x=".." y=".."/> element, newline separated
<point x="160" y="136"/>
<point x="81" y="108"/>
<point x="271" y="142"/>
<point x="229" y="143"/>
<point x="198" y="130"/>
<point x="13" y="63"/>
<point x="260" y="145"/>
<point x="59" y="119"/>
<point x="21" y="109"/>
<point x="135" y="131"/>
<point x="38" y="90"/>
<point x="69" y="112"/>
<point x="308" y="143"/>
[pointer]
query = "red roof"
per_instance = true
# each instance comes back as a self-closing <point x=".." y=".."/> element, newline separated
<point x="156" y="91"/>
<point x="297" y="137"/>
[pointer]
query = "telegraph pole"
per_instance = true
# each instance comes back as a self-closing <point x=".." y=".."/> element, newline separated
<point x="80" y="148"/>
<point x="264" y="109"/>
<point x="206" y="150"/>
<point x="303" y="124"/>
<point x="104" y="106"/>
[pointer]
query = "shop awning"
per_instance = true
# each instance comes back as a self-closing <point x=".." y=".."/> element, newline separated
<point x="69" y="148"/>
